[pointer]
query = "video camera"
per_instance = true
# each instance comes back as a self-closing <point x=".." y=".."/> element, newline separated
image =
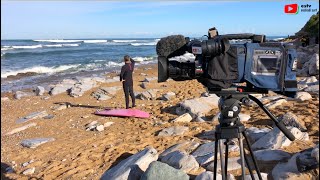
<point x="220" y="64"/>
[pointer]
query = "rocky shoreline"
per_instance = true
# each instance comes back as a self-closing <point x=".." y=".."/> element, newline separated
<point x="53" y="134"/>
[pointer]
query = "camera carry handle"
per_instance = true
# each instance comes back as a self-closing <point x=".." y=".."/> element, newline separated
<point x="254" y="37"/>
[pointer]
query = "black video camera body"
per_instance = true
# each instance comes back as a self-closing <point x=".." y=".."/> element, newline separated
<point x="219" y="64"/>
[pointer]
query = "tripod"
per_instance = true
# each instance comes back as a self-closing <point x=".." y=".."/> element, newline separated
<point x="230" y="127"/>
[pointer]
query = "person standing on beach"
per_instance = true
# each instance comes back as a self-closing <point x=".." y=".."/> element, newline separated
<point x="127" y="81"/>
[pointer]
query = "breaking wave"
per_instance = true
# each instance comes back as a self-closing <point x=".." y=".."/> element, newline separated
<point x="39" y="70"/>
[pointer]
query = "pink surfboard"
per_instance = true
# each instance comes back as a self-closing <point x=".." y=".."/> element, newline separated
<point x="123" y="113"/>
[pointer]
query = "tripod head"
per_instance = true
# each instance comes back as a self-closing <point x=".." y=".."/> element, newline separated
<point x="230" y="107"/>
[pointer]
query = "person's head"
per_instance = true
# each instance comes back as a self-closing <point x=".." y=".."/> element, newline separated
<point x="126" y="58"/>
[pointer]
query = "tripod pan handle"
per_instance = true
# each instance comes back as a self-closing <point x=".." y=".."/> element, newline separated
<point x="285" y="131"/>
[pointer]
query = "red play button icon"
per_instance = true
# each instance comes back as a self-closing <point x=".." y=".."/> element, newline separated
<point x="291" y="8"/>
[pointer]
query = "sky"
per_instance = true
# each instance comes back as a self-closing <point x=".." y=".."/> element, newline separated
<point x="107" y="19"/>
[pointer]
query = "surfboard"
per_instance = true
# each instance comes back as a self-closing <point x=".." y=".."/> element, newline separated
<point x="123" y="113"/>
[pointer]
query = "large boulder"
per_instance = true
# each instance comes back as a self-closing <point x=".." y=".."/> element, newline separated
<point x="161" y="171"/>
<point x="314" y="65"/>
<point x="33" y="143"/>
<point x="181" y="160"/>
<point x="137" y="162"/>
<point x="290" y="119"/>
<point x="198" y="107"/>
<point x="275" y="139"/>
<point x="173" y="131"/>
<point x="186" y="146"/>
<point x="303" y="96"/>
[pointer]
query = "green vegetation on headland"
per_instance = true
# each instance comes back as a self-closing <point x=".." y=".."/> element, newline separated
<point x="309" y="33"/>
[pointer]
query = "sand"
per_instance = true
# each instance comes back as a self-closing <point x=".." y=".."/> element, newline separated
<point x="80" y="154"/>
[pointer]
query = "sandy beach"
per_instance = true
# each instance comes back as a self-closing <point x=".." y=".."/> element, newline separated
<point x="79" y="154"/>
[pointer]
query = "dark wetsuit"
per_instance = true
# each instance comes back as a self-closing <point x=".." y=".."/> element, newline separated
<point x="126" y="75"/>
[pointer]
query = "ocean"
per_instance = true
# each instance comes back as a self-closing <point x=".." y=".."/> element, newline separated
<point x="50" y="61"/>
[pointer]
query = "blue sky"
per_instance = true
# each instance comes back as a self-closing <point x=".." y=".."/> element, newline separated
<point x="103" y="19"/>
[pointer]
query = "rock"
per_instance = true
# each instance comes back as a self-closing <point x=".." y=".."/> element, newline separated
<point x="103" y="97"/>
<point x="289" y="119"/>
<point x="21" y="128"/>
<point x="274" y="104"/>
<point x="111" y="90"/>
<point x="107" y="124"/>
<point x="60" y="107"/>
<point x="183" y="118"/>
<point x="143" y="85"/>
<point x="255" y="134"/>
<point x="313" y="89"/>
<point x="234" y="163"/>
<point x="168" y="96"/>
<point x="60" y="88"/>
<point x="305" y="161"/>
<point x="5" y="99"/>
<point x="208" y="175"/>
<point x="31" y="116"/>
<point x="39" y="90"/>
<point x="209" y="135"/>
<point x="20" y="94"/>
<point x="302" y="57"/>
<point x="9" y="169"/>
<point x="81" y="87"/>
<point x="123" y="169"/>
<point x="148" y="95"/>
<point x="275" y="139"/>
<point x="29" y="171"/>
<point x="315" y="153"/>
<point x="33" y="143"/>
<point x="173" y="131"/>
<point x="255" y="175"/>
<point x="161" y="171"/>
<point x="198" y="106"/>
<point x="303" y="96"/>
<point x="186" y="146"/>
<point x="50" y="116"/>
<point x="149" y="79"/>
<point x="312" y="80"/>
<point x="91" y="126"/>
<point x="314" y="64"/>
<point x="181" y="160"/>
<point x="27" y="163"/>
<point x="100" y="128"/>
<point x="283" y="170"/>
<point x="143" y="74"/>
<point x="270" y="156"/>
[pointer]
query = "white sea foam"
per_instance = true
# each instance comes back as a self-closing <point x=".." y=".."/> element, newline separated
<point x="61" y="45"/>
<point x="113" y="64"/>
<point x="124" y="41"/>
<point x="144" y="44"/>
<point x="59" y="40"/>
<point x="27" y="47"/>
<point x="38" y="69"/>
<point x="95" y="41"/>
<point x="278" y="39"/>
<point x="140" y="59"/>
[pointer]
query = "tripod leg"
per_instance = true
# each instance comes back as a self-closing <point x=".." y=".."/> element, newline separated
<point x="215" y="157"/>
<point x="252" y="155"/>
<point x="249" y="167"/>
<point x="242" y="157"/>
<point x="226" y="158"/>
<point x="222" y="162"/>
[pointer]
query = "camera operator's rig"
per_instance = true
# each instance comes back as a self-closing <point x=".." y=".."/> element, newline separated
<point x="220" y="66"/>
<point x="230" y="127"/>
